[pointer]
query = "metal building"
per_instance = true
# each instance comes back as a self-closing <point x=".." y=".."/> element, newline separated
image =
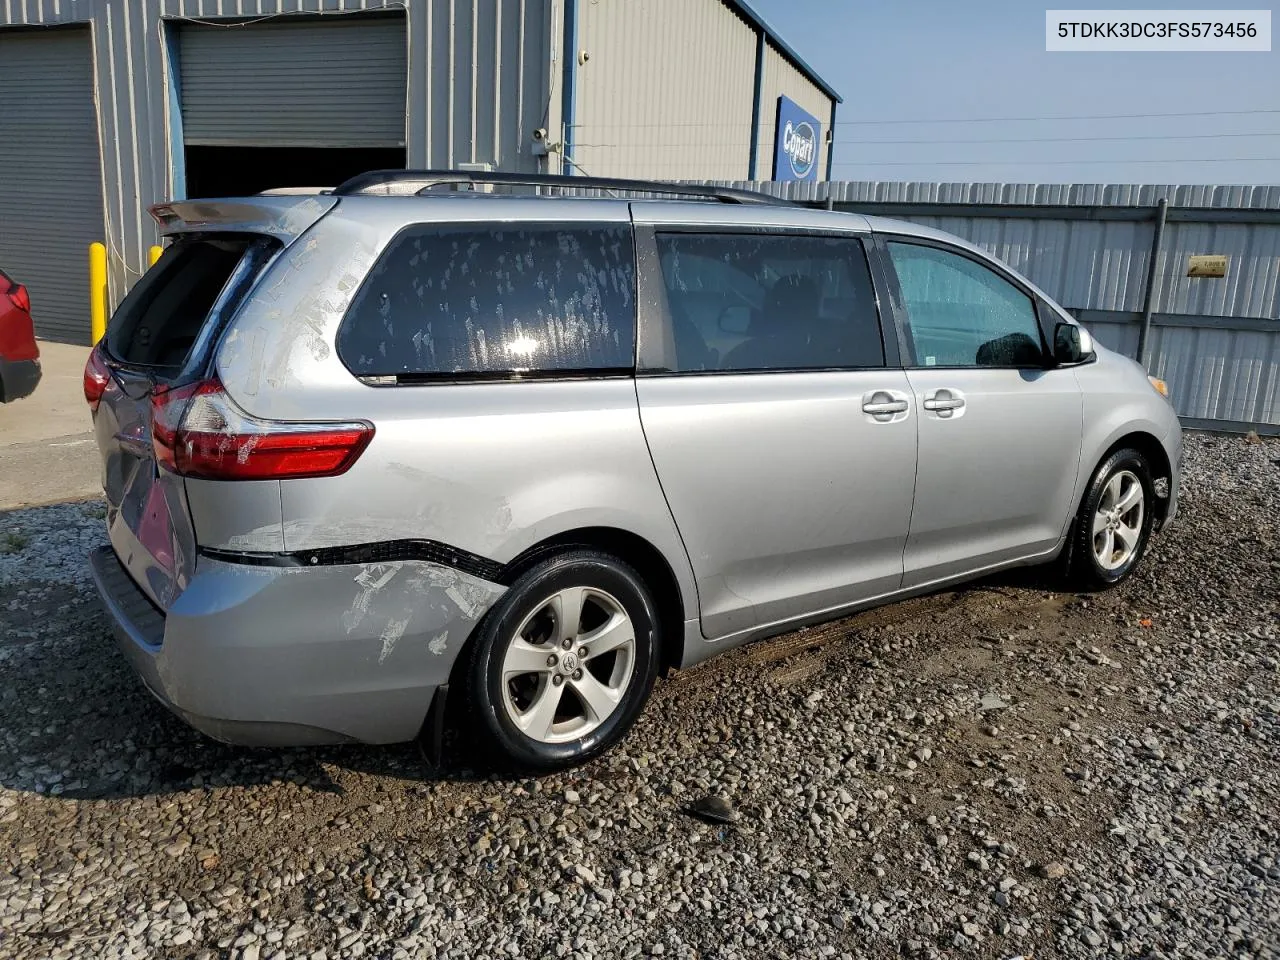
<point x="119" y="104"/>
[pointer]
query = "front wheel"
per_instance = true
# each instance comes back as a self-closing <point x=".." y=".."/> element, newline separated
<point x="1110" y="533"/>
<point x="563" y="664"/>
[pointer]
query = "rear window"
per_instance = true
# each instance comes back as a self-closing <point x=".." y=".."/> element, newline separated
<point x="157" y="323"/>
<point x="538" y="298"/>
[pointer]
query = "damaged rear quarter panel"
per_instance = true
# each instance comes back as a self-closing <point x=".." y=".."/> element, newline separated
<point x="244" y="515"/>
<point x="354" y="649"/>
<point x="491" y="468"/>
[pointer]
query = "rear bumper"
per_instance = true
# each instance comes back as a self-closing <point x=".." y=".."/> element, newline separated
<point x="289" y="656"/>
<point x="18" y="378"/>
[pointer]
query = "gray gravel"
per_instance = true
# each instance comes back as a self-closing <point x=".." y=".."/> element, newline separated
<point x="989" y="772"/>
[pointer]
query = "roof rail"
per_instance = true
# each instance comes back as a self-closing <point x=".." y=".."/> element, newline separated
<point x="417" y="182"/>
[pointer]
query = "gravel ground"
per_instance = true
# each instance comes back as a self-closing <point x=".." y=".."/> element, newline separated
<point x="988" y="772"/>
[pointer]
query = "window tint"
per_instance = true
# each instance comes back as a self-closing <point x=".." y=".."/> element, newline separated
<point x="758" y="302"/>
<point x="963" y="314"/>
<point x="542" y="298"/>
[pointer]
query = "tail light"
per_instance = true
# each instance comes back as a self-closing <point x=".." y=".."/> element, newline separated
<point x="97" y="376"/>
<point x="20" y="298"/>
<point x="198" y="431"/>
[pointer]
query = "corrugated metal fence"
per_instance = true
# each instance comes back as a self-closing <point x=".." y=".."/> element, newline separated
<point x="1217" y="341"/>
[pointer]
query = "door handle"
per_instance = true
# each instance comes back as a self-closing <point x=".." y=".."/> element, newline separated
<point x="945" y="402"/>
<point x="885" y="406"/>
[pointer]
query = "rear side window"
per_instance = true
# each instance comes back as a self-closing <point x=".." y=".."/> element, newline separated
<point x="157" y="323"/>
<point x="741" y="302"/>
<point x="537" y="298"/>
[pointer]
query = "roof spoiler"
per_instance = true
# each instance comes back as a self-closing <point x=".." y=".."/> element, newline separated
<point x="283" y="217"/>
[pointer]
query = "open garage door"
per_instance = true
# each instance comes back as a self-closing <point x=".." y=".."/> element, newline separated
<point x="303" y="102"/>
<point x="50" y="174"/>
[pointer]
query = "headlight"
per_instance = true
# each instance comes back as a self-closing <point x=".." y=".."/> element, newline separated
<point x="1159" y="386"/>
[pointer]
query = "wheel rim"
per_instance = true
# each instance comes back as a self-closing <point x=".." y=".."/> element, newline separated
<point x="568" y="665"/>
<point x="1117" y="522"/>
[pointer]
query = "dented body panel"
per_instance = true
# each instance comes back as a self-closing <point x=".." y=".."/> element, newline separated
<point x="442" y="466"/>
<point x="286" y="655"/>
<point x="148" y="518"/>
<point x="242" y="516"/>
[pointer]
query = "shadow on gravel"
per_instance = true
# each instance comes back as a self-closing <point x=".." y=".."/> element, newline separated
<point x="76" y="723"/>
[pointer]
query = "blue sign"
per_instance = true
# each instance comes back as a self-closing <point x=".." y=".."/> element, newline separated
<point x="795" y="143"/>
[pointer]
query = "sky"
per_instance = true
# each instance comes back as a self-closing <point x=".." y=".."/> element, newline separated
<point x="930" y="61"/>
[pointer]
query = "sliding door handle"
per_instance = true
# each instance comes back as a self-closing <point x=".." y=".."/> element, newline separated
<point x="885" y="406"/>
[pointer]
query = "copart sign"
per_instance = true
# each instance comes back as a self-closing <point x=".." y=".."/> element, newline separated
<point x="795" y="148"/>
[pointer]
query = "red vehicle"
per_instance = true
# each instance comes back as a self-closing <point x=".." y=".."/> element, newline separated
<point x="19" y="355"/>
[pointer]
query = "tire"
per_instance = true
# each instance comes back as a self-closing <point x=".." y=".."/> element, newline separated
<point x="1107" y="508"/>
<point x="562" y="710"/>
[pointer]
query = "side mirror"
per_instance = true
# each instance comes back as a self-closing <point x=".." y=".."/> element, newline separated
<point x="1071" y="344"/>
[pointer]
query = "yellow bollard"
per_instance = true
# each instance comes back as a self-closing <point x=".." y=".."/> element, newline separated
<point x="154" y="255"/>
<point x="97" y="291"/>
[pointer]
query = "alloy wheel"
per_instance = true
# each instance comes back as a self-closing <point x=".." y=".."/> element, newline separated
<point x="1117" y="521"/>
<point x="568" y="665"/>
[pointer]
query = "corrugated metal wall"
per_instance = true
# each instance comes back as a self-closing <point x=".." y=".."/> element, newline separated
<point x="466" y="103"/>
<point x="782" y="79"/>
<point x="666" y="90"/>
<point x="1217" y="341"/>
<point x="50" y="174"/>
<point x="480" y="81"/>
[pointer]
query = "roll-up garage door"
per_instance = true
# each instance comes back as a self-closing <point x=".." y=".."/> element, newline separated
<point x="50" y="174"/>
<point x="337" y="81"/>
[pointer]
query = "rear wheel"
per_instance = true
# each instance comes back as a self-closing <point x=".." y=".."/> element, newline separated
<point x="562" y="665"/>
<point x="1111" y="531"/>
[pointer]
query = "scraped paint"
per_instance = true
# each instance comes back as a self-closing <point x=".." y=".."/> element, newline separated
<point x="391" y="633"/>
<point x="372" y="578"/>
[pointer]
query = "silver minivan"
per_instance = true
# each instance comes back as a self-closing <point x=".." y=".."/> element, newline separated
<point x="372" y="445"/>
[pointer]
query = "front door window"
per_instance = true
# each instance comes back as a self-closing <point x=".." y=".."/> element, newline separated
<point x="963" y="314"/>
